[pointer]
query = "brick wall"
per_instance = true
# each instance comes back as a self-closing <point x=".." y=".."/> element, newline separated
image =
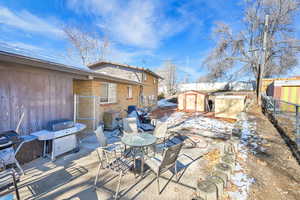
<point x="92" y="88"/>
<point x="150" y="88"/>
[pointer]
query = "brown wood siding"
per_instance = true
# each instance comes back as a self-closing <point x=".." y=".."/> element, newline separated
<point x="42" y="98"/>
<point x="43" y="95"/>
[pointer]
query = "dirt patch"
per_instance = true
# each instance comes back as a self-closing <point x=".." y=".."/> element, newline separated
<point x="275" y="170"/>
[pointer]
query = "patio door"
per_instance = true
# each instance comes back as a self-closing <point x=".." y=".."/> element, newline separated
<point x="190" y="101"/>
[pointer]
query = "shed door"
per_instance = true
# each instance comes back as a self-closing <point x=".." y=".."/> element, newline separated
<point x="191" y="102"/>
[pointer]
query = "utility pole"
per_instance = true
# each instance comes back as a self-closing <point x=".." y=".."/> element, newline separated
<point x="263" y="64"/>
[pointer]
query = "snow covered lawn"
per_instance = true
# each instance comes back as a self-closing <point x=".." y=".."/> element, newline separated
<point x="165" y="103"/>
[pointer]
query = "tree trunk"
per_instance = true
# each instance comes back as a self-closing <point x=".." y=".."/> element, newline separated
<point x="258" y="85"/>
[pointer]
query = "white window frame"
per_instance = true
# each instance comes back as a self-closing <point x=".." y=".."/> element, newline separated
<point x="145" y="76"/>
<point x="111" y="96"/>
<point x="129" y="92"/>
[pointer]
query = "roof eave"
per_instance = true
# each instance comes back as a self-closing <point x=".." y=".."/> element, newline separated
<point x="99" y="64"/>
<point x="20" y="59"/>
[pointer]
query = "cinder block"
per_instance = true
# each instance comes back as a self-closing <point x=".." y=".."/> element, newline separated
<point x="207" y="190"/>
<point x="225" y="168"/>
<point x="222" y="175"/>
<point x="229" y="160"/>
<point x="219" y="183"/>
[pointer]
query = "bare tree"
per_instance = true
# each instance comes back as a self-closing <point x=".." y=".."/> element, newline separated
<point x="89" y="47"/>
<point x="169" y="73"/>
<point x="242" y="53"/>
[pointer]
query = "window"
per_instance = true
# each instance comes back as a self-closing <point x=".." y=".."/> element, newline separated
<point x="154" y="80"/>
<point x="108" y="93"/>
<point x="129" y="92"/>
<point x="145" y="77"/>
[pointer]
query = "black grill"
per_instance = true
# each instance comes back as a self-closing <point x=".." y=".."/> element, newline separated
<point x="62" y="124"/>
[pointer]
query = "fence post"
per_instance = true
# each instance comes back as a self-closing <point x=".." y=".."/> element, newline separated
<point x="297" y="127"/>
<point x="274" y="107"/>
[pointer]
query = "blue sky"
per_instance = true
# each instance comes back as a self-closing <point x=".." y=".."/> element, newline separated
<point x="141" y="32"/>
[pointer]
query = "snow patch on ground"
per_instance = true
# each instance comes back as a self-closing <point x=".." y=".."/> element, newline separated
<point x="239" y="177"/>
<point x="165" y="103"/>
<point x="198" y="122"/>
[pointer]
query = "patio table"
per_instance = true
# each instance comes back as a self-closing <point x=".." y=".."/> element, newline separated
<point x="138" y="142"/>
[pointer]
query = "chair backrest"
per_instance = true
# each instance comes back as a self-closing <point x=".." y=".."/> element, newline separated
<point x="160" y="129"/>
<point x="136" y="115"/>
<point x="170" y="156"/>
<point x="130" y="125"/>
<point x="100" y="136"/>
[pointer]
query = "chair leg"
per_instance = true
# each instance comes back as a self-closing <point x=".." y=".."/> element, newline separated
<point x="119" y="184"/>
<point x="19" y="166"/>
<point x="98" y="171"/>
<point x="158" y="190"/>
<point x="176" y="173"/>
<point x="15" y="185"/>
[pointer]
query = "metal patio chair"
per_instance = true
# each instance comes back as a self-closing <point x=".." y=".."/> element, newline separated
<point x="165" y="163"/>
<point x="161" y="133"/>
<point x="141" y="125"/>
<point x="130" y="126"/>
<point x="121" y="165"/>
<point x="106" y="150"/>
<point x="5" y="179"/>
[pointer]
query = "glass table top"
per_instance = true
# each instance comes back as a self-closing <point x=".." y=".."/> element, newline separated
<point x="138" y="140"/>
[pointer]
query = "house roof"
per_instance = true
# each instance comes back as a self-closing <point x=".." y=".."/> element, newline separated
<point x="103" y="63"/>
<point x="36" y="62"/>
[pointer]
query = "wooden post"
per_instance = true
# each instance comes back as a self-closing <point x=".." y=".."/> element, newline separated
<point x="297" y="127"/>
<point x="75" y="108"/>
<point x="274" y="108"/>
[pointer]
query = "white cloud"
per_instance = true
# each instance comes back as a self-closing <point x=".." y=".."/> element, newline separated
<point x="26" y="21"/>
<point x="22" y="45"/>
<point x="140" y="23"/>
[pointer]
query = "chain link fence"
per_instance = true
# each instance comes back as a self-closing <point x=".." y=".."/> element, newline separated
<point x="286" y="116"/>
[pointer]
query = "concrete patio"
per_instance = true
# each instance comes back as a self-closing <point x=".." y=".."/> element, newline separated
<point x="72" y="177"/>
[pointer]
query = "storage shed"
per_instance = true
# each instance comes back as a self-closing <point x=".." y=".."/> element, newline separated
<point x="192" y="101"/>
<point x="229" y="106"/>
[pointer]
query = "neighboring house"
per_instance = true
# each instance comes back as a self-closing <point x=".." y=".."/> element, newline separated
<point x="285" y="90"/>
<point x="149" y="80"/>
<point x="267" y="81"/>
<point x="45" y="90"/>
<point x="217" y="86"/>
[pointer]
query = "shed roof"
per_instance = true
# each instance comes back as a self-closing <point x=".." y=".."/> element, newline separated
<point x="287" y="83"/>
<point x="103" y="63"/>
<point x="36" y="62"/>
<point x="194" y="91"/>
